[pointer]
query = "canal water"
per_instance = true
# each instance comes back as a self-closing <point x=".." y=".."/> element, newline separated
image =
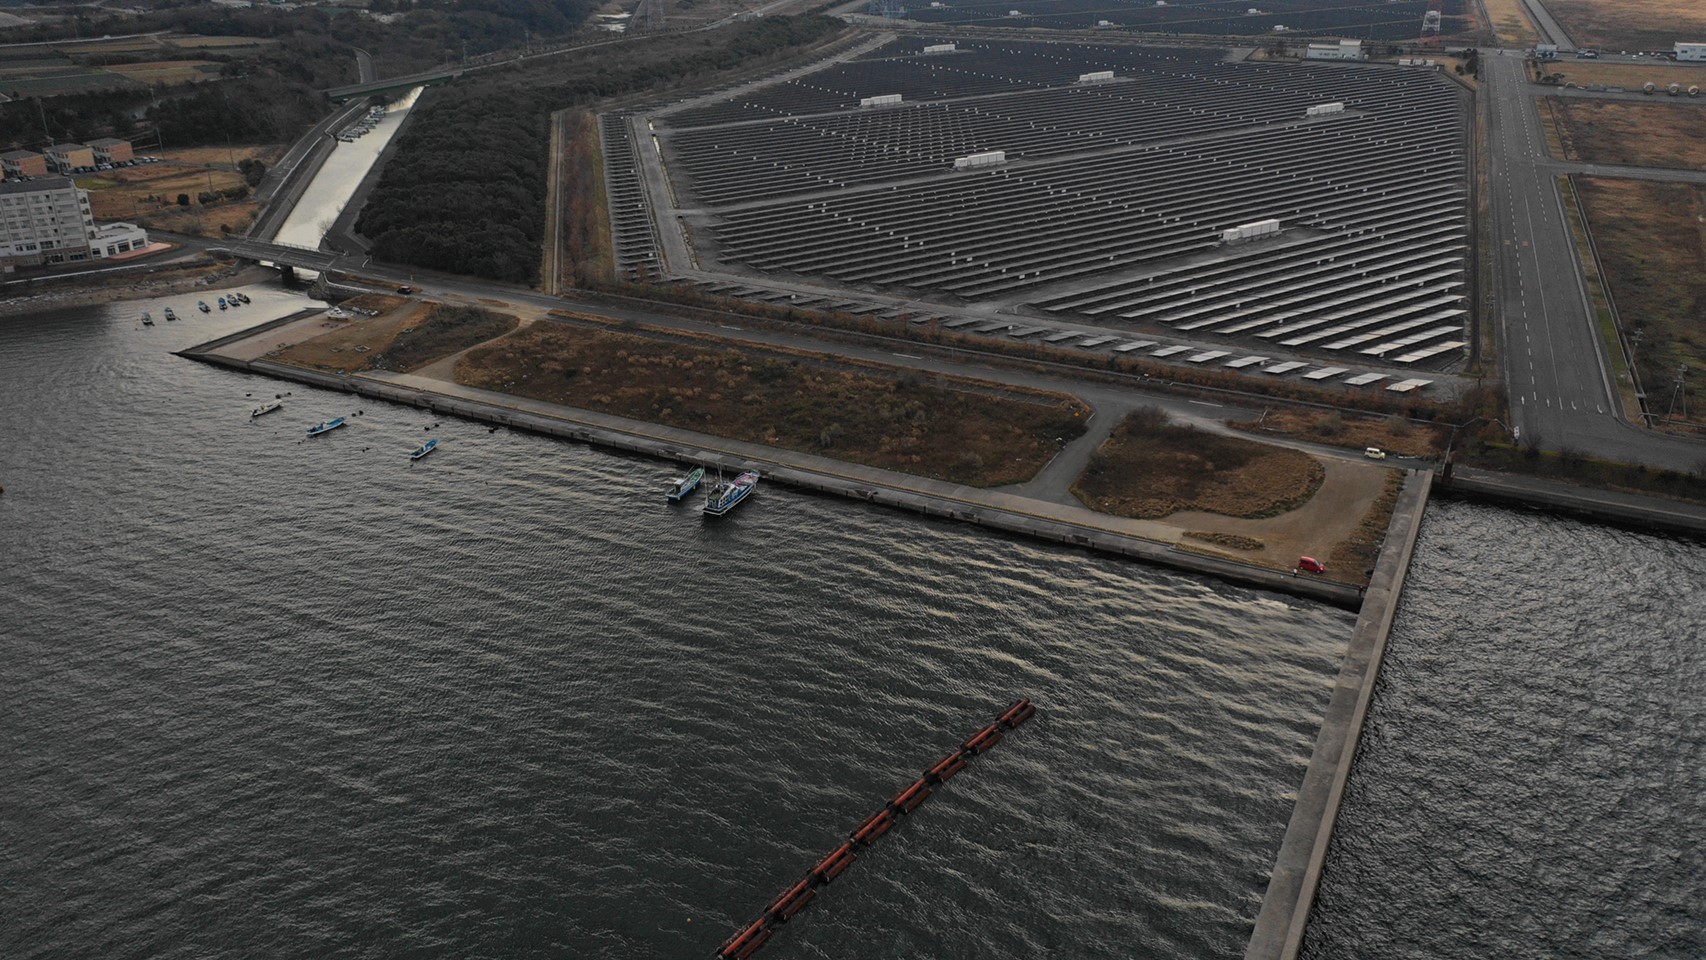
<point x="343" y="171"/>
<point x="266" y="696"/>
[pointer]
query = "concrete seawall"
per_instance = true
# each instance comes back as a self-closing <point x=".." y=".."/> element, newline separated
<point x="805" y="471"/>
<point x="1624" y="509"/>
<point x="1297" y="869"/>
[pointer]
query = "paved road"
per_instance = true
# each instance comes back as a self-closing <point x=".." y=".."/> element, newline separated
<point x="1553" y="31"/>
<point x="1560" y="393"/>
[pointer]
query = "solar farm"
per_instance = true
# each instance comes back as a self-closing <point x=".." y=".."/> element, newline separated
<point x="1121" y="188"/>
<point x="1388" y="20"/>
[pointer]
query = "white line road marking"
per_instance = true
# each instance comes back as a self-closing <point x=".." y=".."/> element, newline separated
<point x="1203" y="403"/>
<point x="908" y="356"/>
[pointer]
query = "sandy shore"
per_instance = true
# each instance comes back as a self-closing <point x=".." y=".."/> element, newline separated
<point x="165" y="279"/>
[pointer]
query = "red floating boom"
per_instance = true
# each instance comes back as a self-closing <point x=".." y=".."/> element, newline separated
<point x="797" y="897"/>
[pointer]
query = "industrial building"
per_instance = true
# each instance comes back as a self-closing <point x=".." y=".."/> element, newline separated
<point x="1343" y="50"/>
<point x="1691" y="52"/>
<point x="23" y="163"/>
<point x="48" y="221"/>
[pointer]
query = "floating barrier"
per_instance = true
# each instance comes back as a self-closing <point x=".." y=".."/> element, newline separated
<point x="785" y="907"/>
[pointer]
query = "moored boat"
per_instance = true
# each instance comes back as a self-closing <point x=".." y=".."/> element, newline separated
<point x="222" y="303"/>
<point x="686" y="485"/>
<point x="267" y="408"/>
<point x="170" y="315"/>
<point x="320" y="428"/>
<point x="147" y="319"/>
<point x="239" y="297"/>
<point x="726" y="496"/>
<point x="203" y="307"/>
<point x="424" y="449"/>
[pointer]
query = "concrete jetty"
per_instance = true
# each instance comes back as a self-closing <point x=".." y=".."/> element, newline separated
<point x="1297" y="870"/>
<point x="1012" y="513"/>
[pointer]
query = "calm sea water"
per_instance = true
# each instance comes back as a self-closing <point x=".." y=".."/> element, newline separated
<point x="264" y="697"/>
<point x="1530" y="781"/>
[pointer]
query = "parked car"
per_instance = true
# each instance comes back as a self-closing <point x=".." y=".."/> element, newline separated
<point x="1311" y="565"/>
<point x="405" y="290"/>
<point x="1374" y="453"/>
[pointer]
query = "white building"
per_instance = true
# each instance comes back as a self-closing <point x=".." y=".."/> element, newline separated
<point x="1691" y="52"/>
<point x="1343" y="50"/>
<point x="47" y="221"/>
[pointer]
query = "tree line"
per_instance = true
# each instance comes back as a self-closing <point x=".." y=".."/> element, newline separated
<point x="465" y="188"/>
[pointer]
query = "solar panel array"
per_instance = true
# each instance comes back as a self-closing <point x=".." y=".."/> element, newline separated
<point x="1356" y="19"/>
<point x="1114" y="197"/>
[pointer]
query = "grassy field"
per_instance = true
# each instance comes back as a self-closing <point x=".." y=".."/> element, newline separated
<point x="1149" y="468"/>
<point x="147" y="194"/>
<point x="1611" y="338"/>
<point x="1630" y="24"/>
<point x="1659" y="134"/>
<point x="1652" y="245"/>
<point x="352" y="344"/>
<point x="963" y="431"/>
<point x="1510" y="23"/>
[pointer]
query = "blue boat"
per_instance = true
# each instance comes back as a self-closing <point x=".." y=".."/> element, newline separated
<point x="222" y="303"/>
<point x="726" y="496"/>
<point x="424" y="449"/>
<point x="686" y="485"/>
<point x="320" y="428"/>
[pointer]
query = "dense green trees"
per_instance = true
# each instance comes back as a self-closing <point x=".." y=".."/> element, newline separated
<point x="465" y="189"/>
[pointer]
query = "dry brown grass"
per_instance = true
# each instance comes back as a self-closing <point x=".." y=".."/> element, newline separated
<point x="167" y="71"/>
<point x="1149" y="468"/>
<point x="1629" y="76"/>
<point x="1652" y="245"/>
<point x="1229" y="540"/>
<point x="968" y="432"/>
<point x="1656" y="134"/>
<point x="147" y="193"/>
<point x="351" y="344"/>
<point x="1630" y="24"/>
<point x="1510" y="23"/>
<point x="1393" y="434"/>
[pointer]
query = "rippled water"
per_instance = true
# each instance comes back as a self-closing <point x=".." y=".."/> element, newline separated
<point x="264" y="697"/>
<point x="1531" y="777"/>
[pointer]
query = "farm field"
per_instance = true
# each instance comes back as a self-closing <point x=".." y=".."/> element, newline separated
<point x="1652" y="244"/>
<point x="1629" y="76"/>
<point x="1659" y="134"/>
<point x="1510" y="23"/>
<point x="168" y="71"/>
<point x="1630" y="25"/>
<point x="108" y="65"/>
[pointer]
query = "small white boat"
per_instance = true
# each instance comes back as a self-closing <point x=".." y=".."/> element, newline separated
<point x="147" y="319"/>
<point x="320" y="428"/>
<point x="424" y="449"/>
<point x="266" y="408"/>
<point x="686" y="485"/>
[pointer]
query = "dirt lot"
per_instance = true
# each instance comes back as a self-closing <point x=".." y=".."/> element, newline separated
<point x="1652" y="243"/>
<point x="1510" y="23"/>
<point x="147" y="193"/>
<point x="350" y="344"/>
<point x="1659" y="134"/>
<point x="1630" y="24"/>
<point x="1394" y="435"/>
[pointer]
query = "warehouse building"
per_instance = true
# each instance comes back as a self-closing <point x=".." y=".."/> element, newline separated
<point x="69" y="158"/>
<point x="23" y="163"/>
<point x="1343" y="50"/>
<point x="111" y="150"/>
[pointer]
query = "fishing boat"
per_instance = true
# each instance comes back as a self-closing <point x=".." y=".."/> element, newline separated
<point x="239" y="297"/>
<point x="222" y="303"/>
<point x="320" y="428"/>
<point x="170" y="315"/>
<point x="147" y="319"/>
<point x="726" y="496"/>
<point x="203" y="307"/>
<point x="266" y="408"/>
<point x="686" y="485"/>
<point x="424" y="449"/>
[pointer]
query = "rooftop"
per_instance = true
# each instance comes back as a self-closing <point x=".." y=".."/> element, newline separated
<point x="37" y="185"/>
<point x="18" y="155"/>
